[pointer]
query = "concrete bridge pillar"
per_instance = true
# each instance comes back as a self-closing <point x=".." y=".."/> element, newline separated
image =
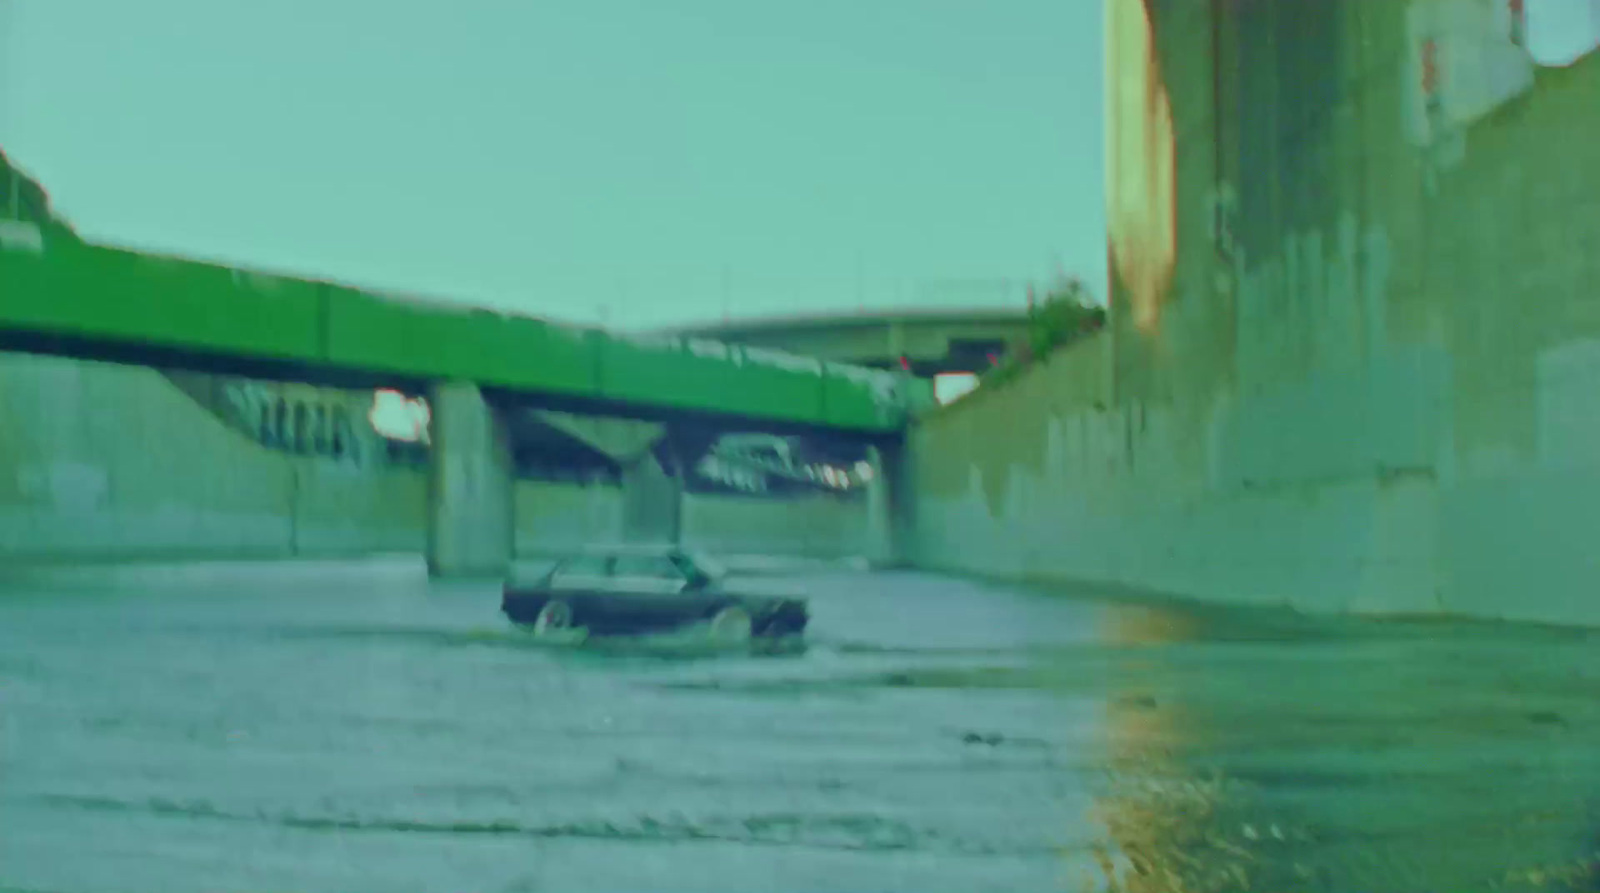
<point x="889" y="517"/>
<point x="652" y="501"/>
<point x="470" y="523"/>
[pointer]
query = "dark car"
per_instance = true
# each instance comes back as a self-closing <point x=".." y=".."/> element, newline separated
<point x="637" y="590"/>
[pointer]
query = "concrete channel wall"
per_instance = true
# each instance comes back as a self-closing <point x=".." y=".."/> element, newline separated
<point x="1354" y="358"/>
<point x="102" y="463"/>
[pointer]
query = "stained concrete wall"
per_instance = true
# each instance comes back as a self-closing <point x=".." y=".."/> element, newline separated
<point x="1363" y="378"/>
<point x="808" y="527"/>
<point x="104" y="462"/>
<point x="554" y="518"/>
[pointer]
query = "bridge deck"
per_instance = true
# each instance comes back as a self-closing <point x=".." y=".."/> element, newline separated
<point x="59" y="295"/>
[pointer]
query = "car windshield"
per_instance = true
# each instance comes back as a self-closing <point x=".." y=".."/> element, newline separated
<point x="706" y="565"/>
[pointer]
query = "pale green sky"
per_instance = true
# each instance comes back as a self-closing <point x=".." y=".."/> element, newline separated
<point x="645" y="156"/>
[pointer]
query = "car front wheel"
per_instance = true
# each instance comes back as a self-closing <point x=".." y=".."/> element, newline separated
<point x="731" y="623"/>
<point x="553" y="617"/>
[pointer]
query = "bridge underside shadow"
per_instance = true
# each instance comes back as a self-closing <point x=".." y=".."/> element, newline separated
<point x="480" y="447"/>
<point x="644" y="470"/>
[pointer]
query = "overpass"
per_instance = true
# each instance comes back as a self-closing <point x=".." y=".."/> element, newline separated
<point x="480" y="369"/>
<point x="927" y="342"/>
<point x="91" y="302"/>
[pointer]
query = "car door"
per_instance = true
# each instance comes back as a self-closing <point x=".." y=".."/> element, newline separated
<point x="655" y="588"/>
<point x="584" y="583"/>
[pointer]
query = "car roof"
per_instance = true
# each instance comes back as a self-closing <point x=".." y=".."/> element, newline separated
<point x="648" y="549"/>
<point x="700" y="560"/>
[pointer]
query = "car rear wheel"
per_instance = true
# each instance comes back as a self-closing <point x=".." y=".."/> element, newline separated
<point x="553" y="617"/>
<point x="731" y="623"/>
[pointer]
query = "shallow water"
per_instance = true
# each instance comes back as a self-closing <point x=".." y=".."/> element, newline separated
<point x="347" y="727"/>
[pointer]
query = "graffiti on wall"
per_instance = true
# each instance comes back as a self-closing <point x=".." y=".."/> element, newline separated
<point x="313" y="423"/>
<point x="1141" y="189"/>
<point x="769" y="465"/>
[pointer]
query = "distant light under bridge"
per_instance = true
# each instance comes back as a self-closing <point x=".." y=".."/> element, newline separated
<point x="398" y="417"/>
<point x="951" y="386"/>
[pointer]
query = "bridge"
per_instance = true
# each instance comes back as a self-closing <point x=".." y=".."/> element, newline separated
<point x="484" y="372"/>
<point x="927" y="342"/>
<point x="75" y="299"/>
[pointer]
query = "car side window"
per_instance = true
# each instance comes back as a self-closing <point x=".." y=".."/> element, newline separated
<point x="589" y="566"/>
<point x="689" y="570"/>
<point x="652" y="567"/>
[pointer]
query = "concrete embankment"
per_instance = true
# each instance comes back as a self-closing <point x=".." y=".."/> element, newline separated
<point x="104" y="463"/>
<point x="1354" y="353"/>
<point x="1333" y="496"/>
<point x="1045" y="479"/>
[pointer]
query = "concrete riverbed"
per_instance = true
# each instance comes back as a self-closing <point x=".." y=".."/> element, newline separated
<point x="350" y="727"/>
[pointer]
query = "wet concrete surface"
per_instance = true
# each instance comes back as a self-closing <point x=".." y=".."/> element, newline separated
<point x="347" y="727"/>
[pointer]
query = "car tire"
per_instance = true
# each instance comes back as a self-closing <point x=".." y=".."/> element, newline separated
<point x="774" y="628"/>
<point x="554" y="616"/>
<point x="731" y="623"/>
